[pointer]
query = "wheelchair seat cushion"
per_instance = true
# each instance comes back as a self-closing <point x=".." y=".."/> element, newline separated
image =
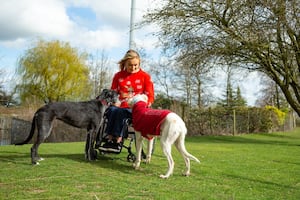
<point x="147" y="120"/>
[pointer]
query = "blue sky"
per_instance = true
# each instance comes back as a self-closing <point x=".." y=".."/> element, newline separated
<point x="89" y="25"/>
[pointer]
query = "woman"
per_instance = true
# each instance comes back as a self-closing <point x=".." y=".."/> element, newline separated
<point x="129" y="81"/>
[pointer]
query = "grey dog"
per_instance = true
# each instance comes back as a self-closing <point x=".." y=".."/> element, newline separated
<point x="87" y="114"/>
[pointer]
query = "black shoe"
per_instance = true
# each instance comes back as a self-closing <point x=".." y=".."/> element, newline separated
<point x="111" y="147"/>
<point x="116" y="148"/>
<point x="106" y="146"/>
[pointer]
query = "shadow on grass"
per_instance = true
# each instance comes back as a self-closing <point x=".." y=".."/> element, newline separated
<point x="264" y="182"/>
<point x="13" y="157"/>
<point x="271" y="139"/>
<point x="113" y="162"/>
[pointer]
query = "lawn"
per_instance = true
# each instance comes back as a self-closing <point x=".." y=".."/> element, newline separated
<point x="260" y="166"/>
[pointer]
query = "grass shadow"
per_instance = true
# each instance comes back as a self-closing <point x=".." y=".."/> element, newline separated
<point x="270" y="139"/>
<point x="13" y="157"/>
<point x="112" y="162"/>
<point x="109" y="161"/>
<point x="264" y="182"/>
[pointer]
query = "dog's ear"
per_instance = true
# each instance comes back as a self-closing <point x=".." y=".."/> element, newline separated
<point x="105" y="93"/>
<point x="145" y="97"/>
<point x="114" y="96"/>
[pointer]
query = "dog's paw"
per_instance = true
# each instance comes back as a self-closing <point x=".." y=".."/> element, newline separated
<point x="40" y="159"/>
<point x="136" y="166"/>
<point x="186" y="174"/>
<point x="163" y="176"/>
<point x="148" y="160"/>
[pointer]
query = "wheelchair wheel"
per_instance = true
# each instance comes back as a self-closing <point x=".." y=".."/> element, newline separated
<point x="93" y="154"/>
<point x="100" y="134"/>
<point x="131" y="157"/>
<point x="90" y="152"/>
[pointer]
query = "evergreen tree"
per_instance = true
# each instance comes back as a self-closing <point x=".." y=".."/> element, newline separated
<point x="239" y="100"/>
<point x="232" y="99"/>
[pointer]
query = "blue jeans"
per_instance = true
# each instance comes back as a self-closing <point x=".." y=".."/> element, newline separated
<point x="116" y="118"/>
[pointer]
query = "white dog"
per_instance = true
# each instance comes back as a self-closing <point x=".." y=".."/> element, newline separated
<point x="152" y="122"/>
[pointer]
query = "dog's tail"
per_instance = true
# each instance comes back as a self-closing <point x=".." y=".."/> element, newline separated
<point x="181" y="147"/>
<point x="31" y="132"/>
<point x="190" y="156"/>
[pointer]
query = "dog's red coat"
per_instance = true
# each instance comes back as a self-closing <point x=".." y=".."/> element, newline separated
<point x="147" y="120"/>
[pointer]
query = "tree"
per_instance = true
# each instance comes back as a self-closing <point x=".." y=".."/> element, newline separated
<point x="2" y="92"/>
<point x="53" y="71"/>
<point x="232" y="98"/>
<point x="100" y="75"/>
<point x="239" y="99"/>
<point x="261" y="35"/>
<point x="4" y="98"/>
<point x="271" y="95"/>
<point x="162" y="102"/>
<point x="161" y="75"/>
<point x="193" y="77"/>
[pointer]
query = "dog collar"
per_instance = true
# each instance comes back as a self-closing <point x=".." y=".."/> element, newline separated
<point x="104" y="102"/>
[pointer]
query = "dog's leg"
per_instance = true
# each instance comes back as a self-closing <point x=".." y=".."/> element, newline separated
<point x="149" y="150"/>
<point x="44" y="130"/>
<point x="166" y="147"/>
<point x="90" y="152"/>
<point x="179" y="144"/>
<point x="138" y="140"/>
<point x="86" y="152"/>
<point x="35" y="158"/>
<point x="34" y="155"/>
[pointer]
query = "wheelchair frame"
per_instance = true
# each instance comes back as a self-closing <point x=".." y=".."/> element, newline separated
<point x="127" y="134"/>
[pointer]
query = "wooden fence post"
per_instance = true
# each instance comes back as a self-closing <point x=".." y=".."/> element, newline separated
<point x="5" y="127"/>
<point x="210" y="121"/>
<point x="234" y="123"/>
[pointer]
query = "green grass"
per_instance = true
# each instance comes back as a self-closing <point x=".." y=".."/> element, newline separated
<point x="265" y="166"/>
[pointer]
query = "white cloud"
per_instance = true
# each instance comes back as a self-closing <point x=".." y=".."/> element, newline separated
<point x="86" y="24"/>
<point x="49" y="19"/>
<point x="17" y="43"/>
<point x="21" y="19"/>
<point x="100" y="39"/>
<point x="113" y="13"/>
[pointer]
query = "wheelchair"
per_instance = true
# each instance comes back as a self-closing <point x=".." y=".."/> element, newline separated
<point x="128" y="140"/>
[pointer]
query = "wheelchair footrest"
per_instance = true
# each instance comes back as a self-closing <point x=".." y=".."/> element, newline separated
<point x="111" y="147"/>
<point x="108" y="152"/>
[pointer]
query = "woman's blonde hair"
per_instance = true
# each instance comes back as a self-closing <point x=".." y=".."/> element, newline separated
<point x="129" y="55"/>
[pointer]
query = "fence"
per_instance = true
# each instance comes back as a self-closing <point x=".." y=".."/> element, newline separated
<point x="14" y="130"/>
<point x="223" y="121"/>
<point x="199" y="122"/>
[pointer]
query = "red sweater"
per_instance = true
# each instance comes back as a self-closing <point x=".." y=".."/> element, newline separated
<point x="147" y="120"/>
<point x="130" y="84"/>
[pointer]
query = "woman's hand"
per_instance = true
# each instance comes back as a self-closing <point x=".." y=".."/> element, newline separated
<point x="117" y="104"/>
